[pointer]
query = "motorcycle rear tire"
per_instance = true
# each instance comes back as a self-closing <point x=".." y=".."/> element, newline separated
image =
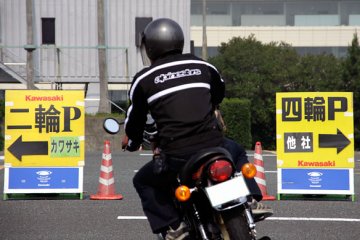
<point x="236" y="224"/>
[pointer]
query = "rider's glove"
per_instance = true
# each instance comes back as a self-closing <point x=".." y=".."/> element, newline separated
<point x="127" y="144"/>
<point x="132" y="146"/>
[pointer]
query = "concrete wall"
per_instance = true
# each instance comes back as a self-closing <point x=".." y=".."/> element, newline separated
<point x="95" y="135"/>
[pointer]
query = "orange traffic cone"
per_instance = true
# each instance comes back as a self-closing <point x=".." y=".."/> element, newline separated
<point x="106" y="189"/>
<point x="260" y="174"/>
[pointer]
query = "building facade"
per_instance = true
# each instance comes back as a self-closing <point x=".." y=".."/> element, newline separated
<point x="65" y="35"/>
<point x="65" y="41"/>
<point x="322" y="26"/>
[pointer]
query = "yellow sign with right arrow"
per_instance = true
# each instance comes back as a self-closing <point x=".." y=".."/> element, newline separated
<point x="315" y="130"/>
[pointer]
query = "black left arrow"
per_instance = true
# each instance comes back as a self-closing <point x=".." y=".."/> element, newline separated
<point x="338" y="141"/>
<point x="20" y="148"/>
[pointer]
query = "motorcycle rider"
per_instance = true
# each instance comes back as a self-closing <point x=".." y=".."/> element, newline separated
<point x="181" y="92"/>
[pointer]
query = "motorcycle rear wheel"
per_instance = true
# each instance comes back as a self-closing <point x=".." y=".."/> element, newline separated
<point x="236" y="224"/>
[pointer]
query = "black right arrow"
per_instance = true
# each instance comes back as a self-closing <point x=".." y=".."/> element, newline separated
<point x="20" y="148"/>
<point x="338" y="141"/>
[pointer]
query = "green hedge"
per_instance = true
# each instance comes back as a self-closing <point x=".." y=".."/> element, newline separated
<point x="237" y="118"/>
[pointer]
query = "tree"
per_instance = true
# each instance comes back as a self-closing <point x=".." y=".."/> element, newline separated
<point x="351" y="82"/>
<point x="257" y="71"/>
<point x="317" y="73"/>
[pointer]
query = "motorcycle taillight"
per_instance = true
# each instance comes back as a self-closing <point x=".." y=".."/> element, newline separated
<point x="220" y="170"/>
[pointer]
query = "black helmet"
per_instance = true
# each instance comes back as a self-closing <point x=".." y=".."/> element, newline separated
<point x="162" y="36"/>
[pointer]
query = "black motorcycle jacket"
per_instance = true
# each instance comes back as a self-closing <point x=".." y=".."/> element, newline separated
<point x="180" y="91"/>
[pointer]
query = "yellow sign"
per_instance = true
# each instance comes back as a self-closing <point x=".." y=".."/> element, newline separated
<point x="44" y="128"/>
<point x="315" y="130"/>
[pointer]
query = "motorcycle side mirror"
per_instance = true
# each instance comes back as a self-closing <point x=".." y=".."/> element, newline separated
<point x="111" y="125"/>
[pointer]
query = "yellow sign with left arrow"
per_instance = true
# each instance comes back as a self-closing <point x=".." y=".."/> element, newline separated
<point x="44" y="128"/>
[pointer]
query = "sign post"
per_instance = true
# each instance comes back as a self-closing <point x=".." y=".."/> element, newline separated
<point x="44" y="142"/>
<point x="315" y="143"/>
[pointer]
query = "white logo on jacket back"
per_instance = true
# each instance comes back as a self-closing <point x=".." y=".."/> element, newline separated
<point x="174" y="75"/>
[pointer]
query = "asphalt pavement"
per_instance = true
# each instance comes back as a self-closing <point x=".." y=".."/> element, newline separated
<point x="55" y="218"/>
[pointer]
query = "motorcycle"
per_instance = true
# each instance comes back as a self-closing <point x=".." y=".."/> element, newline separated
<point x="211" y="195"/>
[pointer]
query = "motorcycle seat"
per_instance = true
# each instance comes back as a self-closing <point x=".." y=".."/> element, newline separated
<point x="198" y="159"/>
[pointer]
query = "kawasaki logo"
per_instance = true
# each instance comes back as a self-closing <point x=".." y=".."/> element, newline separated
<point x="302" y="163"/>
<point x="44" y="98"/>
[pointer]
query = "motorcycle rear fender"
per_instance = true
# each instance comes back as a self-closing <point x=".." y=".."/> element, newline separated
<point x="204" y="156"/>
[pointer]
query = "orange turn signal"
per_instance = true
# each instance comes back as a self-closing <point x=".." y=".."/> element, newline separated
<point x="182" y="193"/>
<point x="248" y="170"/>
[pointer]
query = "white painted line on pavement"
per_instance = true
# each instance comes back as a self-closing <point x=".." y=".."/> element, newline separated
<point x="92" y="99"/>
<point x="131" y="217"/>
<point x="269" y="218"/>
<point x="313" y="219"/>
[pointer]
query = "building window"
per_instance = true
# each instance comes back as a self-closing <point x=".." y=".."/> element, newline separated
<point x="314" y="13"/>
<point x="140" y="24"/>
<point x="48" y="30"/>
